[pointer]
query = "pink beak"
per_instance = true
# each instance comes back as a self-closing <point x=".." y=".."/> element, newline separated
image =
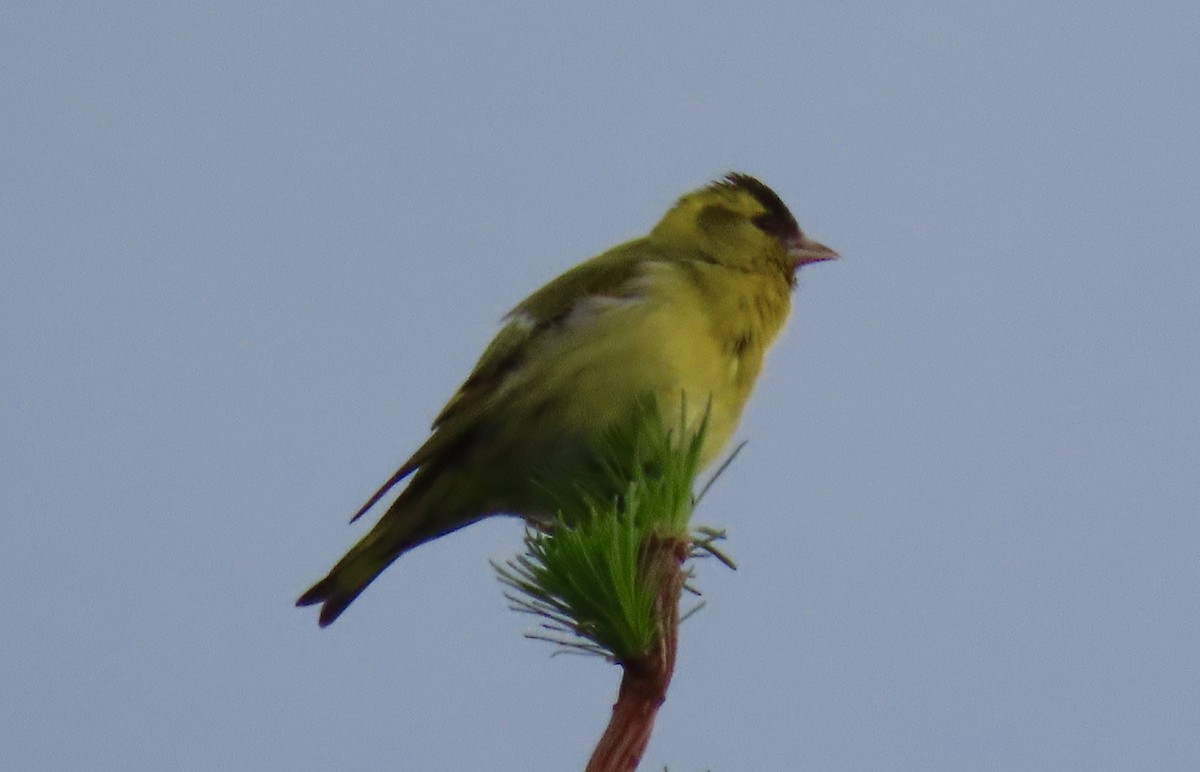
<point x="804" y="251"/>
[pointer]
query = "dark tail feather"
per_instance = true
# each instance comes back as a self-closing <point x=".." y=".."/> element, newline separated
<point x="405" y="525"/>
<point x="335" y="597"/>
<point x="365" y="561"/>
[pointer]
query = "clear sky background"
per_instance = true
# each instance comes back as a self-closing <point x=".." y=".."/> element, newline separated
<point x="248" y="250"/>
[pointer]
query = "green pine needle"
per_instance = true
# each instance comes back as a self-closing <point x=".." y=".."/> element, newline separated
<point x="585" y="575"/>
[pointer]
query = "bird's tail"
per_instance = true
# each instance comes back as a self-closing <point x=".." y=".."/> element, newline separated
<point x="401" y="528"/>
<point x="365" y="561"/>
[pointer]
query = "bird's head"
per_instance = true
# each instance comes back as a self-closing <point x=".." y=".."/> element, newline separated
<point x="740" y="223"/>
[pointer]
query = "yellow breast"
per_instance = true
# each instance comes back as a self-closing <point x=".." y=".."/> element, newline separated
<point x="694" y="345"/>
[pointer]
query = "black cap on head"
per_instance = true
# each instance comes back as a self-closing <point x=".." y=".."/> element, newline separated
<point x="777" y="220"/>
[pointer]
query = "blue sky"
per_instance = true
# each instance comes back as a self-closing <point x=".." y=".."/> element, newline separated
<point x="248" y="250"/>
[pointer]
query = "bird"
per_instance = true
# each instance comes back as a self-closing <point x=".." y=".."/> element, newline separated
<point x="683" y="315"/>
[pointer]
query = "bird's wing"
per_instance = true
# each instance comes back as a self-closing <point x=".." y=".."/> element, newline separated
<point x="610" y="276"/>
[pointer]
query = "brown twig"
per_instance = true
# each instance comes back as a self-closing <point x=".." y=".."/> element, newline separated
<point x="645" y="680"/>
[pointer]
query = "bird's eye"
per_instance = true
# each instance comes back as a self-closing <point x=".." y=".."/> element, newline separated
<point x="774" y="225"/>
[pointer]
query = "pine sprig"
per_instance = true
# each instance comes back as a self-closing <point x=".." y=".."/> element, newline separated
<point x="586" y="575"/>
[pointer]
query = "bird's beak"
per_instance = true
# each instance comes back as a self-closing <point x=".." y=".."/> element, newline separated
<point x="804" y="250"/>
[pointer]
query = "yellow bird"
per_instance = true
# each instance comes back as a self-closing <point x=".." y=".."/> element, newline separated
<point x="683" y="314"/>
